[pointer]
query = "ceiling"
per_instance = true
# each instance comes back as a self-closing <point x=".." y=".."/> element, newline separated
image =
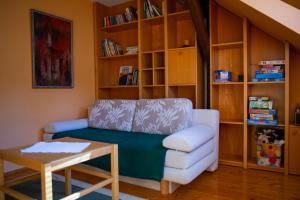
<point x="262" y="21"/>
<point x="111" y="2"/>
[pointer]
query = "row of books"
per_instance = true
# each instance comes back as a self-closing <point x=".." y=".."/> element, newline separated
<point x="129" y="15"/>
<point x="150" y="10"/>
<point x="111" y="48"/>
<point x="128" y="75"/>
<point x="261" y="111"/>
<point x="270" y="70"/>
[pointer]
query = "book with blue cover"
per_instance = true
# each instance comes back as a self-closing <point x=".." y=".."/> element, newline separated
<point x="263" y="122"/>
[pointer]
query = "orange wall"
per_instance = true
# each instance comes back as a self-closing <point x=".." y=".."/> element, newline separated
<point x="23" y="110"/>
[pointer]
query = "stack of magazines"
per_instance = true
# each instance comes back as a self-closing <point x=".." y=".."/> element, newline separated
<point x="111" y="48"/>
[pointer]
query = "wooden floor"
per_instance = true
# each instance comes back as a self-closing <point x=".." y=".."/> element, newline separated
<point x="229" y="183"/>
<point x="226" y="183"/>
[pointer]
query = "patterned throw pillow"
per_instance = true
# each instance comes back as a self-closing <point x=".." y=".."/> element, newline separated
<point x="162" y="116"/>
<point x="112" y="114"/>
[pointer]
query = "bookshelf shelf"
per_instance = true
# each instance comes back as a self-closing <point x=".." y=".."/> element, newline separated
<point x="153" y="51"/>
<point x="181" y="15"/>
<point x="278" y="125"/>
<point x="252" y="165"/>
<point x="233" y="122"/>
<point x="153" y="20"/>
<point x="181" y="85"/>
<point x="232" y="160"/>
<point x="228" y="83"/>
<point x="228" y="44"/>
<point x="118" y="56"/>
<point x="120" y="27"/>
<point x="153" y="85"/>
<point x="147" y="69"/>
<point x="266" y="83"/>
<point x="181" y="48"/>
<point x="118" y="86"/>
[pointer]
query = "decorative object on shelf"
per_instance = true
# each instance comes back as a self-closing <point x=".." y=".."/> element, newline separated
<point x="223" y="76"/>
<point x="129" y="15"/>
<point x="186" y="43"/>
<point x="241" y="78"/>
<point x="270" y="70"/>
<point x="128" y="75"/>
<point x="51" y="51"/>
<point x="297" y="116"/>
<point x="261" y="111"/>
<point x="131" y="50"/>
<point x="269" y="146"/>
<point x="151" y="10"/>
<point x="111" y="48"/>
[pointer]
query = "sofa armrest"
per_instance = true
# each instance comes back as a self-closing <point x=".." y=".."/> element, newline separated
<point x="56" y="127"/>
<point x="189" y="139"/>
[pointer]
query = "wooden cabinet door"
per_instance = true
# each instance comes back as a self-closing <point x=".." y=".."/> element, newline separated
<point x="294" y="150"/>
<point x="182" y="66"/>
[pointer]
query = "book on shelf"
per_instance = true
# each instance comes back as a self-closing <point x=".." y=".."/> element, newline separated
<point x="263" y="116"/>
<point x="263" y="122"/>
<point x="261" y="111"/>
<point x="151" y="10"/>
<point x="271" y="62"/>
<point x="111" y="48"/>
<point x="129" y="15"/>
<point x="270" y="70"/>
<point x="261" y="104"/>
<point x="128" y="75"/>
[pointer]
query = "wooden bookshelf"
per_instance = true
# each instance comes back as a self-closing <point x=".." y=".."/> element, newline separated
<point x="237" y="45"/>
<point x="161" y="55"/>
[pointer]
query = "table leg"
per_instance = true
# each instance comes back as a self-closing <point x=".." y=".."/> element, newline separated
<point x="68" y="185"/>
<point x="115" y="173"/>
<point x="2" y="197"/>
<point x="46" y="182"/>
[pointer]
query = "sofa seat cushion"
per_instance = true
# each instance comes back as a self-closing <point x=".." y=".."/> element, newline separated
<point x="140" y="155"/>
<point x="162" y="116"/>
<point x="112" y="114"/>
<point x="183" y="160"/>
<point x="185" y="176"/>
<point x="189" y="139"/>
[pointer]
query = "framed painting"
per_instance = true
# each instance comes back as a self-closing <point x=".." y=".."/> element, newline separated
<point x="52" y="64"/>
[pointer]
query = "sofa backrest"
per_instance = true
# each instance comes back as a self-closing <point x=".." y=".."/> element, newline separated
<point x="162" y="116"/>
<point x="112" y="114"/>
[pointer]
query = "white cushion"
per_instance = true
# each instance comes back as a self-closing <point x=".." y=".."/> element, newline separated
<point x="56" y="127"/>
<point x="185" y="176"/>
<point x="189" y="139"/>
<point x="183" y="160"/>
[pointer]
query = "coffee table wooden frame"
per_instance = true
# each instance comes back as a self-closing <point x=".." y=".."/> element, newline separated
<point x="45" y="164"/>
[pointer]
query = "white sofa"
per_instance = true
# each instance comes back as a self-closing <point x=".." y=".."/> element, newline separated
<point x="190" y="151"/>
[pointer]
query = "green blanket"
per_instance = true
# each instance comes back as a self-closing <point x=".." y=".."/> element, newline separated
<point x="141" y="155"/>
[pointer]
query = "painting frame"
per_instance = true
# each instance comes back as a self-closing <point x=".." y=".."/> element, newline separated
<point x="52" y="51"/>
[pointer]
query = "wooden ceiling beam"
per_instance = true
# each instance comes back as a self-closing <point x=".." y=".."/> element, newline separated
<point x="201" y="30"/>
